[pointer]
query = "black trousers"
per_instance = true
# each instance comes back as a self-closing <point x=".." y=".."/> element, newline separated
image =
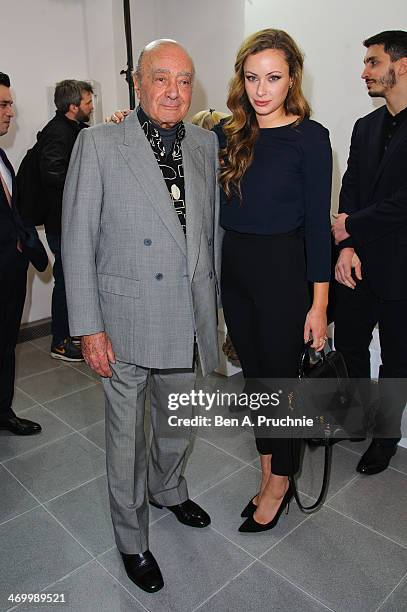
<point x="265" y="299"/>
<point x="11" y="309"/>
<point x="59" y="308"/>
<point x="357" y="311"/>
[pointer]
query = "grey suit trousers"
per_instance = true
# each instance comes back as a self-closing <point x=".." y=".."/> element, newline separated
<point x="134" y="475"/>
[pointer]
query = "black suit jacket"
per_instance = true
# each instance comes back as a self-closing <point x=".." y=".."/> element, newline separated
<point x="374" y="195"/>
<point x="12" y="229"/>
<point x="9" y="230"/>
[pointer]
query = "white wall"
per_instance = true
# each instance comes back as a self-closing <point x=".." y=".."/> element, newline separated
<point x="47" y="40"/>
<point x="211" y="31"/>
<point x="330" y="33"/>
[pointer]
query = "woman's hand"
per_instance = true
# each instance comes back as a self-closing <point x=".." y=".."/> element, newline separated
<point x="316" y="326"/>
<point x="118" y="116"/>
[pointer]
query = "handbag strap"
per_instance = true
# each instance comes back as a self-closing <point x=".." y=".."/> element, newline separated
<point x="305" y="358"/>
<point x="304" y="361"/>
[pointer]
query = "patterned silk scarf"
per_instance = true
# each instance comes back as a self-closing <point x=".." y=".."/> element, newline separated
<point x="170" y="163"/>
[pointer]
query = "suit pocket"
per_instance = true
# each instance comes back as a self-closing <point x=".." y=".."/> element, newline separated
<point x="118" y="285"/>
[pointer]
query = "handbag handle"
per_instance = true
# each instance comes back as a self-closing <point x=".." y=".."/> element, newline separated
<point x="305" y="358"/>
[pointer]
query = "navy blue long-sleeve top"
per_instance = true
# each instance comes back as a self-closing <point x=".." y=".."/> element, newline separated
<point x="287" y="186"/>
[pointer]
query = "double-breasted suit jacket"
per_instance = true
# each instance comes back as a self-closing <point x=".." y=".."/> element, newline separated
<point x="129" y="269"/>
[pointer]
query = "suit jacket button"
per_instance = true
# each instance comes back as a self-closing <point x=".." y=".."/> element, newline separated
<point x="147" y="241"/>
<point x="210" y="241"/>
<point x="210" y="275"/>
<point x="159" y="276"/>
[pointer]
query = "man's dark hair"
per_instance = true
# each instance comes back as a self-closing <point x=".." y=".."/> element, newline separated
<point x="394" y="42"/>
<point x="70" y="92"/>
<point x="4" y="79"/>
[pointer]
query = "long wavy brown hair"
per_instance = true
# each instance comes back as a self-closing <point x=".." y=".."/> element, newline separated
<point x="242" y="129"/>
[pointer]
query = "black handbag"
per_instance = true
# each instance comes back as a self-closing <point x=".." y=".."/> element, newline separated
<point x="323" y="387"/>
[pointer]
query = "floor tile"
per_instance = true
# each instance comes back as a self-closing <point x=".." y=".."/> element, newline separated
<point x="355" y="447"/>
<point x="371" y="501"/>
<point x="397" y="600"/>
<point x="346" y="566"/>
<point x="342" y="563"/>
<point x="58" y="467"/>
<point x="54" y="384"/>
<point x="194" y="562"/>
<point x="41" y="552"/>
<point x="342" y="471"/>
<point x="96" y="433"/>
<point x="399" y="461"/>
<point x="21" y="401"/>
<point x="52" y="428"/>
<point x="234" y="440"/>
<point x="80" y="409"/>
<point x="225" y="502"/>
<point x="83" y="367"/>
<point x="85" y="512"/>
<point x="206" y="466"/>
<point x="14" y="498"/>
<point x="43" y="343"/>
<point x="31" y="360"/>
<point x="258" y="589"/>
<point x="106" y="594"/>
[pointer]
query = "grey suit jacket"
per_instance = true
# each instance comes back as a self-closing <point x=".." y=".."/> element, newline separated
<point x="128" y="269"/>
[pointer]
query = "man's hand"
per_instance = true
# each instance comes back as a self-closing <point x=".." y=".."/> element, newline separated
<point x="343" y="269"/>
<point x="118" y="116"/>
<point x="98" y="353"/>
<point x="338" y="228"/>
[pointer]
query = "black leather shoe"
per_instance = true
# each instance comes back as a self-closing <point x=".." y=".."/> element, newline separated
<point x="143" y="570"/>
<point x="20" y="427"/>
<point x="188" y="513"/>
<point x="376" y="458"/>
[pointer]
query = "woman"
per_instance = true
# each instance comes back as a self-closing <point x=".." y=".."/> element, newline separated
<point x="276" y="179"/>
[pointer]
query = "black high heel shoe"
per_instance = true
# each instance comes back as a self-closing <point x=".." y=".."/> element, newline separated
<point x="249" y="509"/>
<point x="252" y="526"/>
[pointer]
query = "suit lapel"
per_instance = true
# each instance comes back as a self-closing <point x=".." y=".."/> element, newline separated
<point x="374" y="148"/>
<point x="139" y="156"/>
<point x="195" y="188"/>
<point x="391" y="150"/>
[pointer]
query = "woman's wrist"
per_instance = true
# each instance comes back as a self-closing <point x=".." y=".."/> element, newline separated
<point x="319" y="308"/>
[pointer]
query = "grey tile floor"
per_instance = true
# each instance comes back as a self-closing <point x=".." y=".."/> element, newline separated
<point x="56" y="534"/>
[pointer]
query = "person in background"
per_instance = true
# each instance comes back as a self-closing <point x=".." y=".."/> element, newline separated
<point x="16" y="250"/>
<point x="371" y="231"/>
<point x="74" y="104"/>
<point x="207" y="119"/>
<point x="276" y="168"/>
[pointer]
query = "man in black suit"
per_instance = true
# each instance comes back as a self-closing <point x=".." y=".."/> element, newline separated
<point x="371" y="231"/>
<point x="17" y="247"/>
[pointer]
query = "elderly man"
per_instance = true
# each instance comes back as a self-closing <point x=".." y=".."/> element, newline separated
<point x="371" y="230"/>
<point x="139" y="246"/>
